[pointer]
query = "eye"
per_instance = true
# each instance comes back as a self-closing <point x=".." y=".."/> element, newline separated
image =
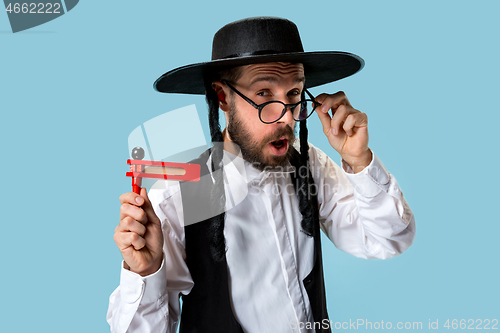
<point x="263" y="93"/>
<point x="294" y="95"/>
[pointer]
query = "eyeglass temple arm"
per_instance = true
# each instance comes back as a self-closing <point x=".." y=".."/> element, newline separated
<point x="311" y="96"/>
<point x="241" y="95"/>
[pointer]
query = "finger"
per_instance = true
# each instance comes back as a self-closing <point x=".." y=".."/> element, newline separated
<point x="125" y="240"/>
<point x="325" y="121"/>
<point x="131" y="198"/>
<point x="137" y="241"/>
<point x="349" y="124"/>
<point x="133" y="211"/>
<point x="353" y="121"/>
<point x="321" y="98"/>
<point x="338" y="118"/>
<point x="129" y="224"/>
<point x="148" y="208"/>
<point x="332" y="101"/>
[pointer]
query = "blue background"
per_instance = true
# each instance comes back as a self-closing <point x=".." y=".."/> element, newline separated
<point x="73" y="89"/>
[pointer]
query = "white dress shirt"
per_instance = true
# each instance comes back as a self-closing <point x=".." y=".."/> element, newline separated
<point x="268" y="256"/>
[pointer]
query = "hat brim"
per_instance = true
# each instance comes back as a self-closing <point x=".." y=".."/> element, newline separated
<point x="319" y="68"/>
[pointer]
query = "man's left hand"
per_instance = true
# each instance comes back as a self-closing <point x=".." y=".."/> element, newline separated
<point x="346" y="129"/>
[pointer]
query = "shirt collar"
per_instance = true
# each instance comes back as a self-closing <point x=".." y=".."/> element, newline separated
<point x="236" y="166"/>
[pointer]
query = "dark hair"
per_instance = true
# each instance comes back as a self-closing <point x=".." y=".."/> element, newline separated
<point x="216" y="229"/>
<point x="301" y="182"/>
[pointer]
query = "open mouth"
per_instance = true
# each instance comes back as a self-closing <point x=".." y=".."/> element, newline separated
<point x="279" y="147"/>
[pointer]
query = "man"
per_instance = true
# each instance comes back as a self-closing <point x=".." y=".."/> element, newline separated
<point x="256" y="265"/>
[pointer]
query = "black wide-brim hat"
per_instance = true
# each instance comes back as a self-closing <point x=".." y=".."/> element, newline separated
<point x="260" y="40"/>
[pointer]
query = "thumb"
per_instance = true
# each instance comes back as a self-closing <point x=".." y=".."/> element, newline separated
<point x="326" y="120"/>
<point x="148" y="208"/>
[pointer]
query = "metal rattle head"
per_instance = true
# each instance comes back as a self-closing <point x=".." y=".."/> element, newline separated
<point x="138" y="153"/>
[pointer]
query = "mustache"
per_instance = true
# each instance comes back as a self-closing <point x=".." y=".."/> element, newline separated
<point x="285" y="131"/>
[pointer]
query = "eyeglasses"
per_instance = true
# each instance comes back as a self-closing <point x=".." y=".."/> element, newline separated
<point x="272" y="111"/>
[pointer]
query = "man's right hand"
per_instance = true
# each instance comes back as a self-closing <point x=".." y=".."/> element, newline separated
<point x="139" y="236"/>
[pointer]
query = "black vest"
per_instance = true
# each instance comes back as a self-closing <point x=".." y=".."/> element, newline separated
<point x="207" y="308"/>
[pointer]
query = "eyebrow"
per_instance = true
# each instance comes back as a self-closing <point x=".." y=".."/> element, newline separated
<point x="273" y="79"/>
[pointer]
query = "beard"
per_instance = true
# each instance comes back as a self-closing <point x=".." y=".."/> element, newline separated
<point x="251" y="149"/>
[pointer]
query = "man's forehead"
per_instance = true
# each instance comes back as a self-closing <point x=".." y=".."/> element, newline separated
<point x="273" y="72"/>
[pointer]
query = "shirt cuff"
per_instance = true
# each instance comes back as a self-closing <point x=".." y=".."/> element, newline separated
<point x="371" y="180"/>
<point x="146" y="289"/>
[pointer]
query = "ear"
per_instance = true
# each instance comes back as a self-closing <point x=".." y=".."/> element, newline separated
<point x="221" y="91"/>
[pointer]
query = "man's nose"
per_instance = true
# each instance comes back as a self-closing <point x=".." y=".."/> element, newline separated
<point x="288" y="116"/>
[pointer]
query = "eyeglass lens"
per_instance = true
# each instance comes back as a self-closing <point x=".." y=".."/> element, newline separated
<point x="273" y="111"/>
